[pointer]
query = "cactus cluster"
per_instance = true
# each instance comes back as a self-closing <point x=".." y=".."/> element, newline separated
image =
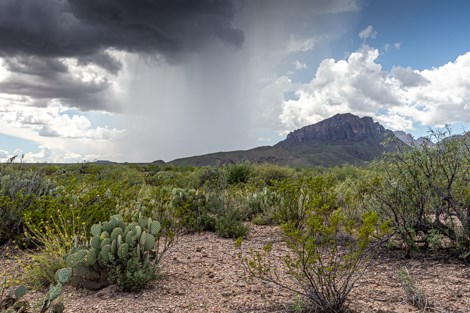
<point x="62" y="277"/>
<point x="12" y="303"/>
<point x="112" y="241"/>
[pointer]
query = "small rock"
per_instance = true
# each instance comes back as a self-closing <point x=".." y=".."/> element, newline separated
<point x="108" y="292"/>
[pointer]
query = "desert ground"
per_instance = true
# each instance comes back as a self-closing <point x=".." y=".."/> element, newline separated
<point x="203" y="273"/>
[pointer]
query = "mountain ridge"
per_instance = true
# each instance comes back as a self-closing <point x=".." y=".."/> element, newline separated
<point x="338" y="127"/>
<point x="340" y="139"/>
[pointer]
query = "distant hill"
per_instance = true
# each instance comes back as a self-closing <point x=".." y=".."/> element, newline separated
<point x="103" y="162"/>
<point x="343" y="138"/>
<point x="410" y="140"/>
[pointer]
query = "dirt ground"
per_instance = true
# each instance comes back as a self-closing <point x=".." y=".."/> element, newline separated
<point x="203" y="273"/>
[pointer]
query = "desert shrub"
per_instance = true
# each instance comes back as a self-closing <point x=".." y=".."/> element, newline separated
<point x="330" y="246"/>
<point x="238" y="173"/>
<point x="154" y="202"/>
<point x="297" y="197"/>
<point x="269" y="174"/>
<point x="229" y="225"/>
<point x="11" y="218"/>
<point x="88" y="205"/>
<point x="175" y="177"/>
<point x="212" y="178"/>
<point x="131" y="275"/>
<point x="263" y="205"/>
<point x="21" y="186"/>
<point x="119" y="173"/>
<point x="190" y="207"/>
<point x="222" y="212"/>
<point x="424" y="191"/>
<point x="52" y="242"/>
<point x="414" y="294"/>
<point x="120" y="253"/>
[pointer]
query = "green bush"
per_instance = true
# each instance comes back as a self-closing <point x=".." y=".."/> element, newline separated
<point x="21" y="186"/>
<point x="130" y="274"/>
<point x="87" y="207"/>
<point x="263" y="205"/>
<point x="238" y="173"/>
<point x="424" y="191"/>
<point x="51" y="243"/>
<point x="213" y="178"/>
<point x="330" y="246"/>
<point x="228" y="226"/>
<point x="191" y="210"/>
<point x="269" y="174"/>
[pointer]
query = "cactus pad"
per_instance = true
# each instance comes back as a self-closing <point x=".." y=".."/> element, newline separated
<point x="104" y="242"/>
<point x="154" y="227"/>
<point x="115" y="233"/>
<point x="143" y="238"/>
<point x="20" y="291"/>
<point x="105" y="253"/>
<point x="123" y="250"/>
<point x="90" y="258"/>
<point x="96" y="229"/>
<point x="114" y="247"/>
<point x="95" y="242"/>
<point x="142" y="222"/>
<point x="104" y="234"/>
<point x="149" y="242"/>
<point x="71" y="260"/>
<point x="63" y="275"/>
<point x="54" y="291"/>
<point x="107" y="227"/>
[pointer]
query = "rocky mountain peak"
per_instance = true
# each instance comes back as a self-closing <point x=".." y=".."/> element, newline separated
<point x="410" y="140"/>
<point x="340" y="127"/>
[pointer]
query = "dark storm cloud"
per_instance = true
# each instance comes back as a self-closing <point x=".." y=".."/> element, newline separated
<point x="58" y="85"/>
<point x="32" y="65"/>
<point x="60" y="89"/>
<point x="81" y="28"/>
<point x="43" y="79"/>
<point x="103" y="60"/>
<point x="34" y="35"/>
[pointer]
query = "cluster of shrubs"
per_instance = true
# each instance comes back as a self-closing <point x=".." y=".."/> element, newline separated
<point x="332" y="219"/>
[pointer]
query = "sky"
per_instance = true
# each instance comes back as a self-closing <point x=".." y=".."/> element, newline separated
<point x="143" y="80"/>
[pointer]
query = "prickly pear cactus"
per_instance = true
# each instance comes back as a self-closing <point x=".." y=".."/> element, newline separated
<point x="110" y="241"/>
<point x="62" y="277"/>
<point x="11" y="301"/>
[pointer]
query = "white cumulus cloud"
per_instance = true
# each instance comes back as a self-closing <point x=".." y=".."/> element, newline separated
<point x="398" y="98"/>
